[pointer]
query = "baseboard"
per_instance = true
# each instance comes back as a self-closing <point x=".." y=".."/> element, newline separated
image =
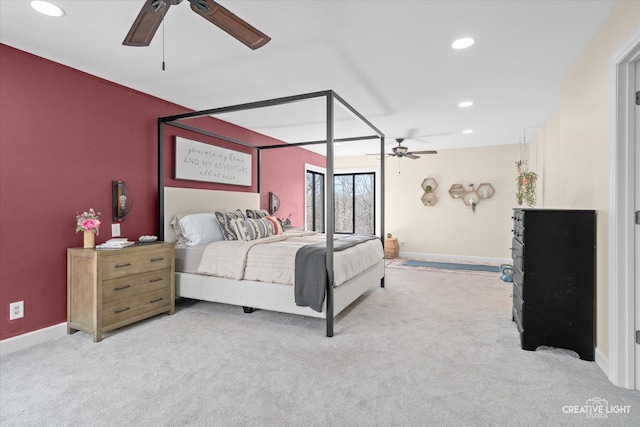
<point x="456" y="258"/>
<point x="602" y="361"/>
<point x="29" y="339"/>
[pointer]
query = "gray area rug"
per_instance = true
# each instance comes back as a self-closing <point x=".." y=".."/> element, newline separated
<point x="432" y="348"/>
<point x="452" y="265"/>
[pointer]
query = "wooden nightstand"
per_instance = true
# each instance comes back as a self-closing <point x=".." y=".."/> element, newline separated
<point x="111" y="288"/>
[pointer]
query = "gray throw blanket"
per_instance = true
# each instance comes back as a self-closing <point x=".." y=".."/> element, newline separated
<point x="311" y="269"/>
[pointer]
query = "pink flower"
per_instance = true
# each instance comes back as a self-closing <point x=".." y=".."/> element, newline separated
<point x="90" y="224"/>
<point x="88" y="221"/>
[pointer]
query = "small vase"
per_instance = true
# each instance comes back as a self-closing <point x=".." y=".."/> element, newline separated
<point x="89" y="240"/>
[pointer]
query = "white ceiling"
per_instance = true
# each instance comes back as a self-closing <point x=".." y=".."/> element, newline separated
<point x="391" y="60"/>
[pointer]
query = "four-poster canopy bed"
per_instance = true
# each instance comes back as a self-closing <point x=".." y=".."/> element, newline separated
<point x="174" y="203"/>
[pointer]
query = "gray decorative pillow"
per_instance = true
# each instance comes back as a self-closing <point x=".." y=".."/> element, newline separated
<point x="256" y="213"/>
<point x="244" y="228"/>
<point x="224" y="221"/>
<point x="266" y="227"/>
<point x="251" y="229"/>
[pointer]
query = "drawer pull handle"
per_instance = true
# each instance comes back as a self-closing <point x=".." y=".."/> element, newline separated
<point x="159" y="279"/>
<point x="123" y="265"/>
<point x="155" y="300"/>
<point x="123" y="310"/>
<point x="156" y="259"/>
<point x="122" y="287"/>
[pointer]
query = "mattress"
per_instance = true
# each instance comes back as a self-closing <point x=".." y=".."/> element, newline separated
<point x="188" y="258"/>
<point x="272" y="259"/>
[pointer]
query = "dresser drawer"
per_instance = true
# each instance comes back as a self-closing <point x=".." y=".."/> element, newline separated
<point x="126" y="263"/>
<point x="518" y="233"/>
<point x="517" y="299"/>
<point x="517" y="254"/>
<point x="518" y="219"/>
<point x="125" y="310"/>
<point x="518" y="280"/>
<point x="517" y="308"/>
<point x="127" y="286"/>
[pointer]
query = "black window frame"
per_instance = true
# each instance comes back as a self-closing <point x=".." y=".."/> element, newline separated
<point x="353" y="204"/>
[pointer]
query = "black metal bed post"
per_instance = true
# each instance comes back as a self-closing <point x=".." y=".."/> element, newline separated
<point x="160" y="180"/>
<point x="382" y="197"/>
<point x="259" y="183"/>
<point x="330" y="218"/>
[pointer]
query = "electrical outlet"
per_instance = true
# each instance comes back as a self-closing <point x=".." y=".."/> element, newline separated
<point x="16" y="310"/>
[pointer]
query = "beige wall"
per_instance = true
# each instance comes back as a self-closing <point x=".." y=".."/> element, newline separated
<point x="449" y="228"/>
<point x="571" y="154"/>
<point x="572" y="150"/>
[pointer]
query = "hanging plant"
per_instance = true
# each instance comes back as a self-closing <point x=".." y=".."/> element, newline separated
<point x="526" y="185"/>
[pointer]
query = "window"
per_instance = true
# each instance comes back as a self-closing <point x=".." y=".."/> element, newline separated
<point x="315" y="201"/>
<point x="355" y="203"/>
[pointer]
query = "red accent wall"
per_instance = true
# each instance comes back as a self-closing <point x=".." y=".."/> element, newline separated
<point x="282" y="169"/>
<point x="64" y="136"/>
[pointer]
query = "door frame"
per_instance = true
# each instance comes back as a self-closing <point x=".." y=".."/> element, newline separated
<point x="621" y="360"/>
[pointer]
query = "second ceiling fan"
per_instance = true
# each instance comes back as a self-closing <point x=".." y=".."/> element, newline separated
<point x="153" y="12"/>
<point x="402" y="151"/>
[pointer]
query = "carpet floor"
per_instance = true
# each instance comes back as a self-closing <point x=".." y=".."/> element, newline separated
<point x="429" y="349"/>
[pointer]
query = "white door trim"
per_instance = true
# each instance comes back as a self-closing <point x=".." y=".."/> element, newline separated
<point x="621" y="242"/>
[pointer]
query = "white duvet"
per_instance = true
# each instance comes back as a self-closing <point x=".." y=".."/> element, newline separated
<point x="272" y="259"/>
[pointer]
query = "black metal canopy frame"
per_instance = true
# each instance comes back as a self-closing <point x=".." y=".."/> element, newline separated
<point x="331" y="98"/>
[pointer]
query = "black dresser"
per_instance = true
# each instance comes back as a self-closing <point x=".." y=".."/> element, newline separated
<point x="554" y="271"/>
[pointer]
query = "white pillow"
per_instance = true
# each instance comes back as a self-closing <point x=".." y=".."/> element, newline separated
<point x="200" y="229"/>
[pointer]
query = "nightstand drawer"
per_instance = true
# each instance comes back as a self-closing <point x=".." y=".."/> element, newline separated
<point x="125" y="310"/>
<point x="124" y="287"/>
<point x="125" y="263"/>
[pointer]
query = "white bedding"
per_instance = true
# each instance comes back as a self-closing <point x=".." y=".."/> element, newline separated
<point x="272" y="259"/>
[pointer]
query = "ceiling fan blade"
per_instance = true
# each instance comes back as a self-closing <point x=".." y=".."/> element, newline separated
<point x="424" y="152"/>
<point x="411" y="156"/>
<point x="146" y="24"/>
<point x="233" y="25"/>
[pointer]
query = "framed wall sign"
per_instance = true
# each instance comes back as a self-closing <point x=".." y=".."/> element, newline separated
<point x="198" y="161"/>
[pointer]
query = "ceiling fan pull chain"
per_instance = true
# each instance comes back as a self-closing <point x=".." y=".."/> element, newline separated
<point x="163" y="16"/>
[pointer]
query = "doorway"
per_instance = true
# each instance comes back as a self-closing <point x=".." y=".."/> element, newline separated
<point x="636" y="210"/>
<point x="624" y="244"/>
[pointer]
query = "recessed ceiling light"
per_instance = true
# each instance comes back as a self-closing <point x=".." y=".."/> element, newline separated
<point x="47" y="8"/>
<point x="465" y="104"/>
<point x="463" y="43"/>
<point x="467" y="131"/>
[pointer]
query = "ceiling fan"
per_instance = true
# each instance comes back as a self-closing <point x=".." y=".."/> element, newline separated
<point x="402" y="151"/>
<point x="153" y="12"/>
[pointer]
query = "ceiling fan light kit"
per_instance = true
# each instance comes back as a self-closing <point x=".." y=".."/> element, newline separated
<point x="153" y="12"/>
<point x="402" y="151"/>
